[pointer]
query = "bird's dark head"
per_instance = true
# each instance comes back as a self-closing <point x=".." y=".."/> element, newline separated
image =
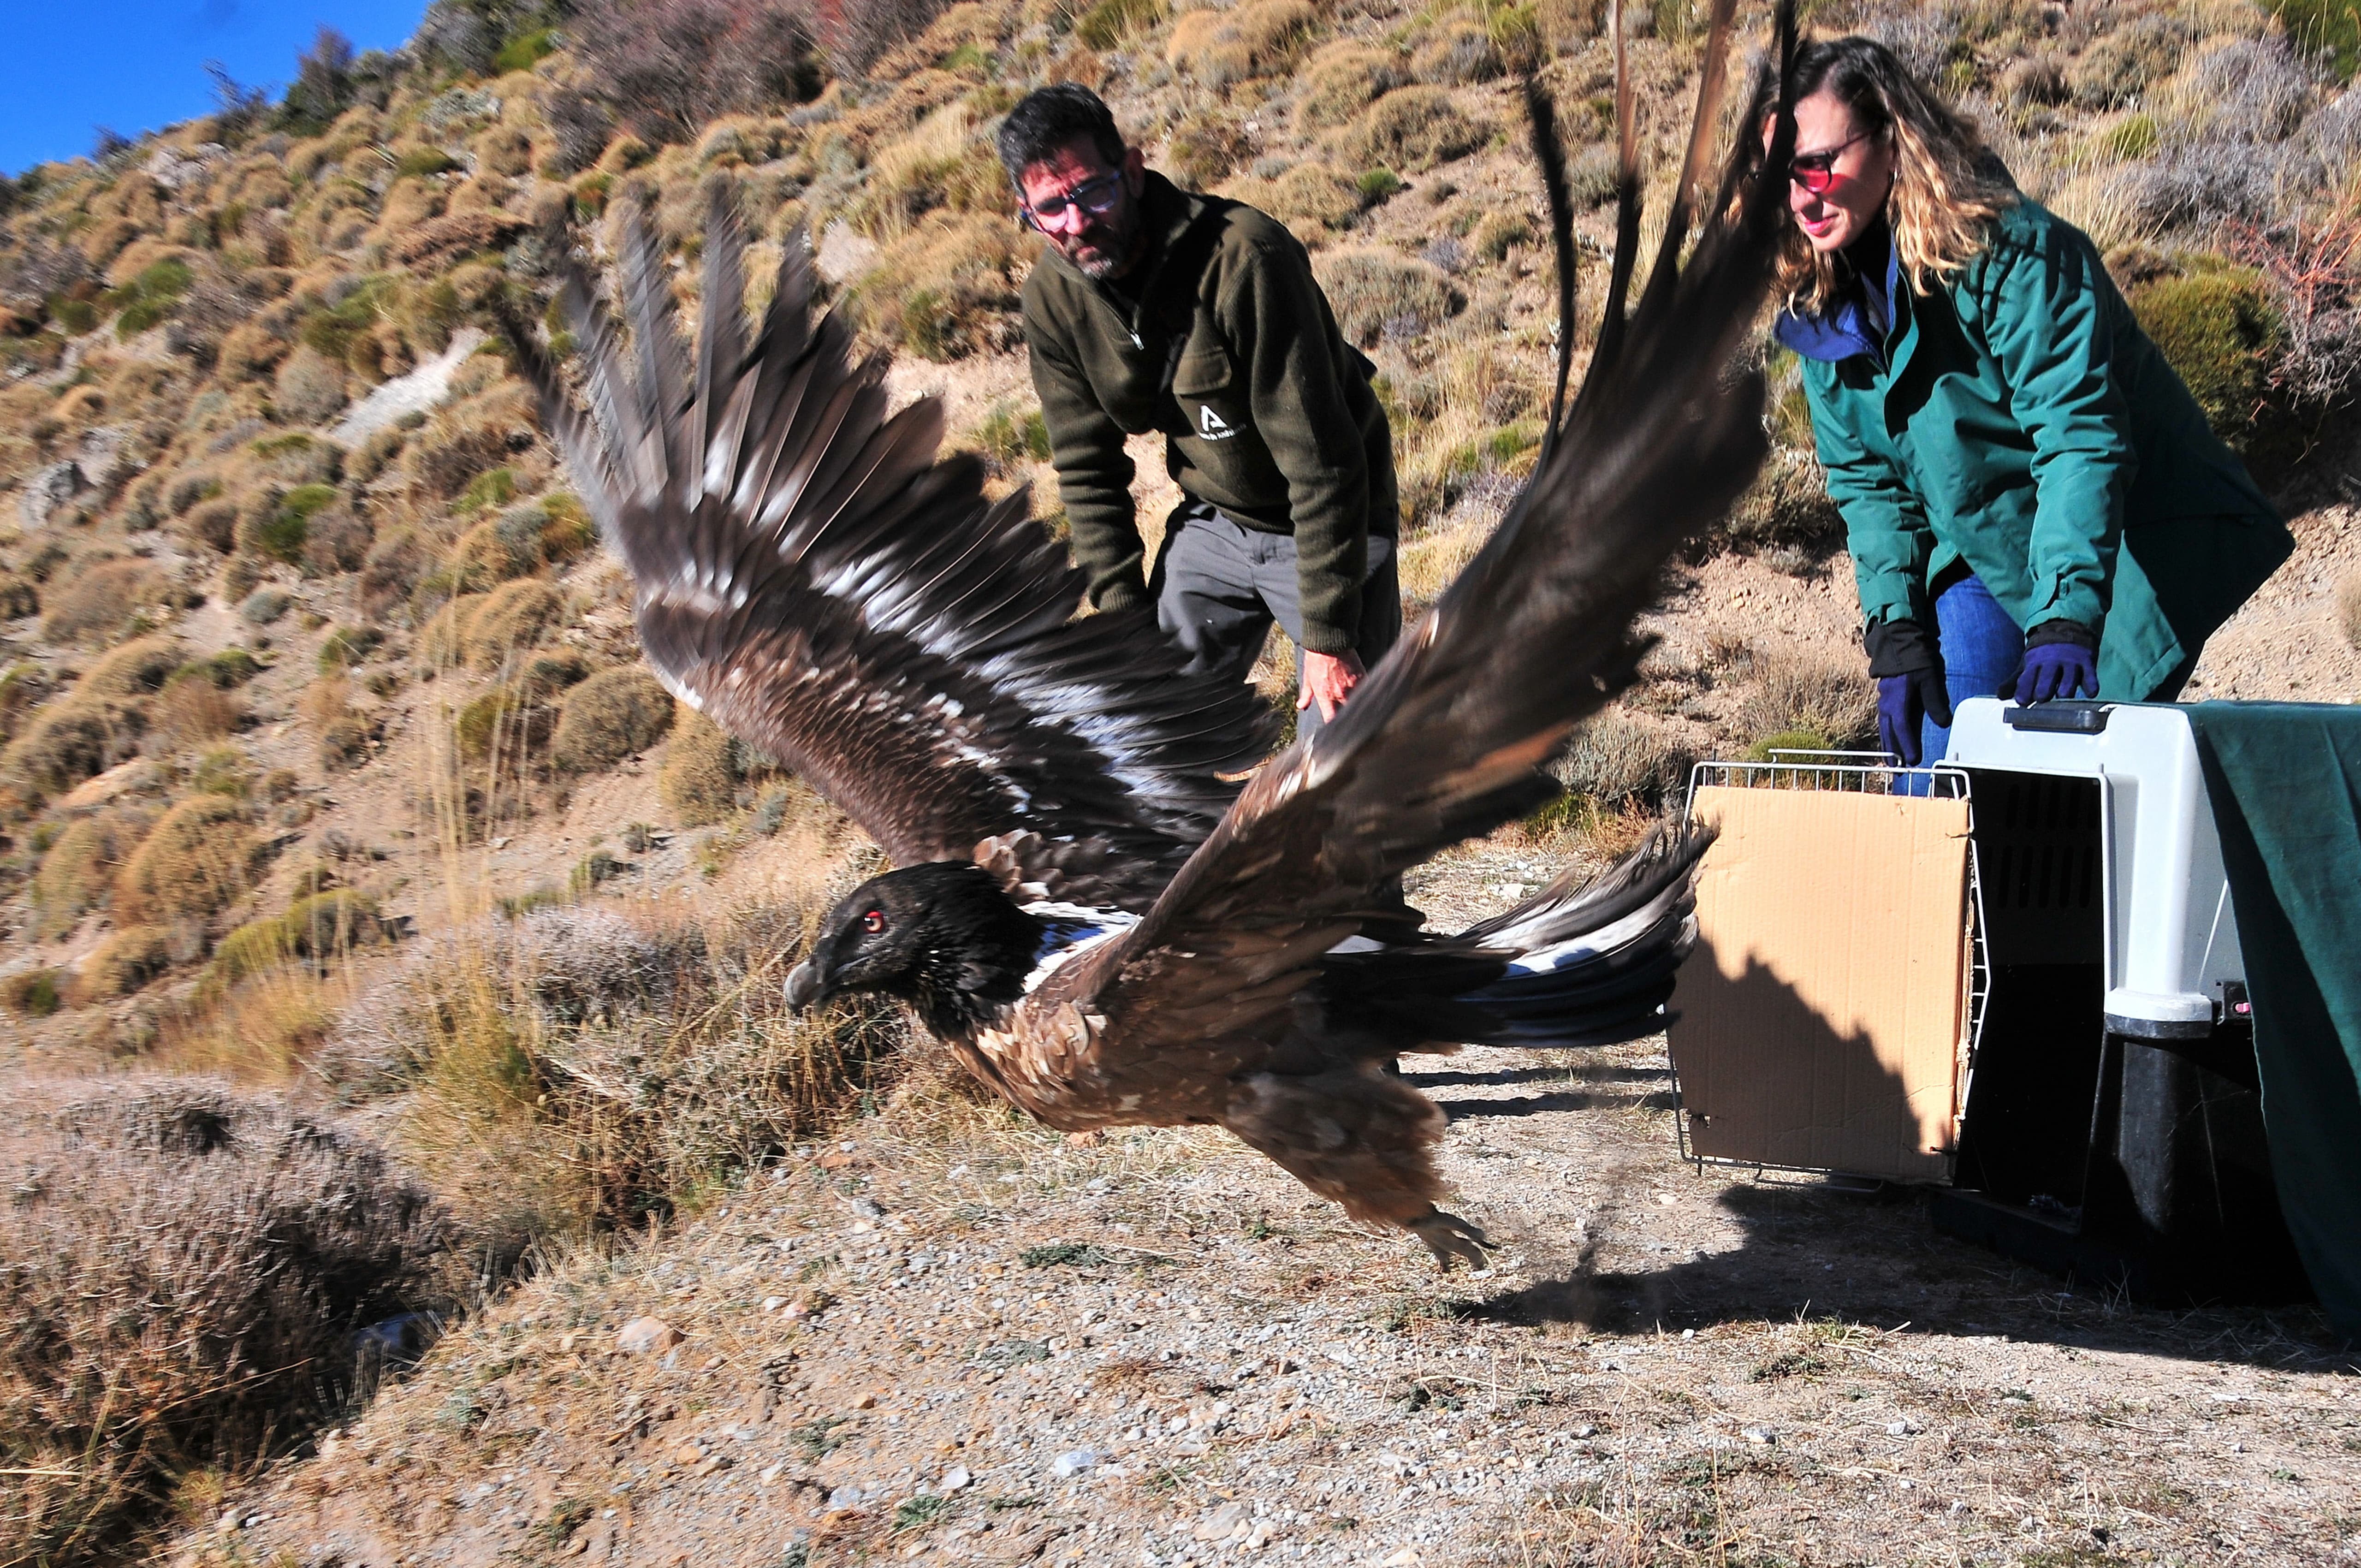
<point x="942" y="935"/>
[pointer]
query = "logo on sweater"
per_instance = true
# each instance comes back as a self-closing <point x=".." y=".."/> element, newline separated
<point x="1211" y="425"/>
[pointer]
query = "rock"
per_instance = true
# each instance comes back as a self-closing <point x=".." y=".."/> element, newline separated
<point x="955" y="1479"/>
<point x="1761" y="1437"/>
<point x="48" y="489"/>
<point x="645" y="1336"/>
<point x="1259" y="1537"/>
<point x="1068" y="1465"/>
<point x="1229" y="1520"/>
<point x="773" y="1303"/>
<point x="1584" y="1429"/>
<point x="688" y="1453"/>
<point x="844" y="1497"/>
<point x="868" y="1401"/>
<point x="1899" y="1429"/>
<point x="842" y="254"/>
<point x="1406" y="1558"/>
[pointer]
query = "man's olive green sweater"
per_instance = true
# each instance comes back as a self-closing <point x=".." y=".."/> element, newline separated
<point x="1231" y="351"/>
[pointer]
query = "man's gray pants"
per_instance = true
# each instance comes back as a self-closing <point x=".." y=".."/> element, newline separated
<point x="1218" y="586"/>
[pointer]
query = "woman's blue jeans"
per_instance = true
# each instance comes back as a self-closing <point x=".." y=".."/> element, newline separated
<point x="1982" y="649"/>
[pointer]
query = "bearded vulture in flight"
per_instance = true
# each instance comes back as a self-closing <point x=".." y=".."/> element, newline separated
<point x="1102" y="924"/>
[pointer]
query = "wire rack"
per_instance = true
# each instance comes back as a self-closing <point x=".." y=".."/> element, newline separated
<point x="1856" y="773"/>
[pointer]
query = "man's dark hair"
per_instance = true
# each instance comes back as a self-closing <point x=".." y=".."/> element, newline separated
<point x="1049" y="118"/>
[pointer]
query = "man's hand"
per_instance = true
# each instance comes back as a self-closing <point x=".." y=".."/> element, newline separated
<point x="1328" y="680"/>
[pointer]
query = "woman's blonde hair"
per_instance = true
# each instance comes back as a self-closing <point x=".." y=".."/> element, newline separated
<point x="1948" y="186"/>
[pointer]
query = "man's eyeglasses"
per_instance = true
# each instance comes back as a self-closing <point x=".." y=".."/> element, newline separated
<point x="1096" y="198"/>
<point x="1816" y="171"/>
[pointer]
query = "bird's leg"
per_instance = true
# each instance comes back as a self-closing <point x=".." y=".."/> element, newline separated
<point x="1449" y="1237"/>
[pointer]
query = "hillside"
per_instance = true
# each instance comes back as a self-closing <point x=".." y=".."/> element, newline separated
<point x="329" y="773"/>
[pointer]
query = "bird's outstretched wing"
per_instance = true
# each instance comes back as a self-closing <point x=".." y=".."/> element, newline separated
<point x="813" y="578"/>
<point x="1447" y="736"/>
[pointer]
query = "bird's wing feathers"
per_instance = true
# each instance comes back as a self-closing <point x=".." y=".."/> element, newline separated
<point x="812" y="578"/>
<point x="1446" y="738"/>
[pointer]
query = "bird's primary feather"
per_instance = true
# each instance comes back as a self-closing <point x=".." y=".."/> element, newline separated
<point x="814" y="578"/>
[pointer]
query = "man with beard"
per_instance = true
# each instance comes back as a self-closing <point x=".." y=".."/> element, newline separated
<point x="1155" y="309"/>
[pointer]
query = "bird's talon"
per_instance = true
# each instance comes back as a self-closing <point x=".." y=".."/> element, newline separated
<point x="1449" y="1237"/>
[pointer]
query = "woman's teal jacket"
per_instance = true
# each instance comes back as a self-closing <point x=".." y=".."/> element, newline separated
<point x="2018" y="418"/>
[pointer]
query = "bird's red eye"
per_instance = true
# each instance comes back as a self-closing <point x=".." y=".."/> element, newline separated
<point x="874" y="922"/>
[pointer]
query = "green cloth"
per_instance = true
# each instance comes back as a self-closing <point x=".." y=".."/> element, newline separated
<point x="2285" y="779"/>
<point x="2022" y="421"/>
<point x="1224" y="343"/>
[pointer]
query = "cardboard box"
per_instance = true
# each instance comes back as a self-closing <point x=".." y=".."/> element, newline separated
<point x="1822" y="1022"/>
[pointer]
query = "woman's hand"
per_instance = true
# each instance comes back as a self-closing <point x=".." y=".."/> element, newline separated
<point x="1903" y="701"/>
<point x="2061" y="660"/>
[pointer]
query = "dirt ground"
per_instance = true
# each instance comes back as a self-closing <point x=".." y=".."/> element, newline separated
<point x="953" y="1337"/>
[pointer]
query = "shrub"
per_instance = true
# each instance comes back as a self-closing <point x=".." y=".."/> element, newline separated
<point x="2219" y="329"/>
<point x="2124" y="62"/>
<point x="1343" y="79"/>
<point x="18" y="597"/>
<point x="345" y="742"/>
<point x="1414" y="128"/>
<point x="213" y="526"/>
<point x="93" y="606"/>
<point x="1203" y="150"/>
<point x="613" y="715"/>
<point x="1621" y="763"/>
<point x="1310" y="199"/>
<point x="947" y="289"/>
<point x="503" y="723"/>
<point x="496" y="549"/>
<point x="34" y="994"/>
<point x="395" y="563"/>
<point x="123" y="963"/>
<point x="220" y="770"/>
<point x="186" y="1275"/>
<point x="335" y="539"/>
<point x="1455" y="54"/>
<point x="2329" y="27"/>
<point x="265" y="606"/>
<point x="1495" y="234"/>
<point x="512" y="617"/>
<point x="95" y="726"/>
<point x="191" y="709"/>
<point x="77" y="874"/>
<point x="1377" y="292"/>
<point x="309" y="389"/>
<point x="701" y="772"/>
<point x="1787" y="695"/>
<point x="1220" y="47"/>
<point x="346" y="646"/>
<point x="277" y="523"/>
<point x="196" y="860"/>
<point x="317" y="929"/>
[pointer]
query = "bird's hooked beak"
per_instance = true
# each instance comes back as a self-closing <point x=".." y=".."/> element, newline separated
<point x="806" y="985"/>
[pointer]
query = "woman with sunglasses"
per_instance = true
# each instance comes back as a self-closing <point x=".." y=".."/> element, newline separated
<point x="2034" y="503"/>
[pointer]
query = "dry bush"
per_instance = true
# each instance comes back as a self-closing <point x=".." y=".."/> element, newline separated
<point x="1498" y="232"/>
<point x="393" y="569"/>
<point x="94" y="726"/>
<point x="613" y="715"/>
<point x="943" y="163"/>
<point x="645" y="1060"/>
<point x="703" y="771"/>
<point x="514" y="616"/>
<point x="1414" y="128"/>
<point x="193" y="709"/>
<point x="1790" y="696"/>
<point x="318" y="929"/>
<point x="2128" y="60"/>
<point x="503" y="724"/>
<point x="18" y="597"/>
<point x="93" y="606"/>
<point x="309" y="389"/>
<point x="1222" y="48"/>
<point x="77" y="874"/>
<point x="1382" y="294"/>
<point x="186" y="1267"/>
<point x="1623" y="762"/>
<point x="1456" y="53"/>
<point x="1203" y="150"/>
<point x="1311" y="199"/>
<point x="666" y="67"/>
<point x="1344" y="79"/>
<point x="2348" y="610"/>
<point x="1788" y="505"/>
<point x="2222" y="332"/>
<point x="127" y="961"/>
<point x="947" y="290"/>
<point x="199" y="856"/>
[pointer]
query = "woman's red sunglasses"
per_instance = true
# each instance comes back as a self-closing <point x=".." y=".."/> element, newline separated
<point x="1816" y="172"/>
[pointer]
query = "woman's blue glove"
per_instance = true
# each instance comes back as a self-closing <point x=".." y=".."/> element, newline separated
<point x="2061" y="660"/>
<point x="1910" y="686"/>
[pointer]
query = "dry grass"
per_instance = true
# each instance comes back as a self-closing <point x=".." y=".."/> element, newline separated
<point x="126" y="962"/>
<point x="513" y="618"/>
<point x="1797" y="697"/>
<point x="94" y="726"/>
<point x="1378" y="293"/>
<point x="1414" y="128"/>
<point x="948" y="288"/>
<point x="191" y="710"/>
<point x="1313" y="200"/>
<point x="1344" y="79"/>
<point x="2348" y="608"/>
<point x="186" y="1264"/>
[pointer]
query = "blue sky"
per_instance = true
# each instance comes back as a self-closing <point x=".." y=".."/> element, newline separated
<point x="135" y="65"/>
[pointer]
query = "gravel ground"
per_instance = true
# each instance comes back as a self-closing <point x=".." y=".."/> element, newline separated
<point x="955" y="1338"/>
